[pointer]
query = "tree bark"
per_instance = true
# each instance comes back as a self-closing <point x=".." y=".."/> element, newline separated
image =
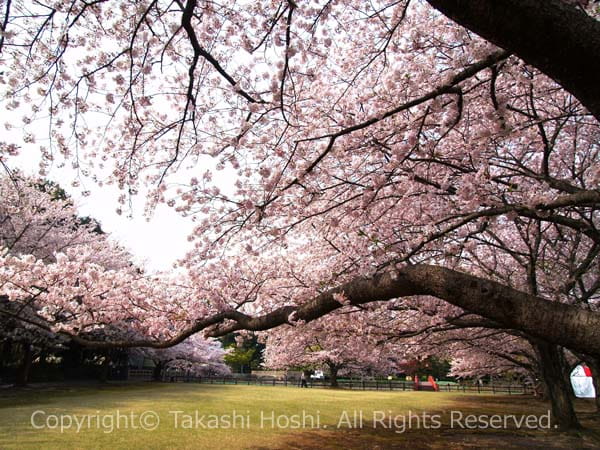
<point x="552" y="365"/>
<point x="4" y="352"/>
<point x="25" y="366"/>
<point x="105" y="368"/>
<point x="559" y="39"/>
<point x="594" y="365"/>
<point x="158" y="371"/>
<point x="333" y="375"/>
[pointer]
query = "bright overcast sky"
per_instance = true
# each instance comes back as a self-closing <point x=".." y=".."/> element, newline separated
<point x="156" y="243"/>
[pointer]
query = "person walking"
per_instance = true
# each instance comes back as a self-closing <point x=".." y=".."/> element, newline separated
<point x="303" y="383"/>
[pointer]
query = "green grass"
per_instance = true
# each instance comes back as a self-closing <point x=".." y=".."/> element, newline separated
<point x="250" y="402"/>
<point x="444" y="383"/>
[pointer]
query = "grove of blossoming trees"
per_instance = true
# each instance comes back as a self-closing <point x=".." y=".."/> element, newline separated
<point x="60" y="271"/>
<point x="38" y="222"/>
<point x="378" y="151"/>
<point x="195" y="355"/>
<point x="341" y="343"/>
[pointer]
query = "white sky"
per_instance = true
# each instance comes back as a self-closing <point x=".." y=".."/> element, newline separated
<point x="155" y="243"/>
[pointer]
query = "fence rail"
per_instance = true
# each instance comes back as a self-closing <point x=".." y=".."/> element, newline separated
<point x="371" y="385"/>
<point x="145" y="374"/>
<point x="510" y="389"/>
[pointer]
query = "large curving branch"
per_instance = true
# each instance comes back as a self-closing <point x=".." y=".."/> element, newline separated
<point x="566" y="325"/>
<point x="555" y="322"/>
<point x="559" y="39"/>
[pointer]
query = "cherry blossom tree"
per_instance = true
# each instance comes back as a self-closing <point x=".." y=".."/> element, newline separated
<point x="61" y="272"/>
<point x="195" y="355"/>
<point x="446" y="151"/>
<point x="37" y="220"/>
<point x="341" y="343"/>
<point x="372" y="146"/>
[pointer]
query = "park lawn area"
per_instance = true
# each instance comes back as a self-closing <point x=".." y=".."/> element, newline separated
<point x="256" y="406"/>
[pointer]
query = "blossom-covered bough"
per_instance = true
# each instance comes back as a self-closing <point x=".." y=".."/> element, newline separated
<point x="377" y="152"/>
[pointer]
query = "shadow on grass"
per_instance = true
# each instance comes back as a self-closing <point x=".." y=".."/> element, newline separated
<point x="46" y="393"/>
<point x="444" y="438"/>
<point x="372" y="436"/>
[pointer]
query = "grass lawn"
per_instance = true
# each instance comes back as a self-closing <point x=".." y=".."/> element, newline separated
<point x="262" y="415"/>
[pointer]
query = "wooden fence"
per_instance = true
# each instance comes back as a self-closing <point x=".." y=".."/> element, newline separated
<point x="140" y="374"/>
<point x="371" y="385"/>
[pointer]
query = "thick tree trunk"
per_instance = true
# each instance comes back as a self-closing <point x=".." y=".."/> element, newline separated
<point x="105" y="368"/>
<point x="4" y="352"/>
<point x="552" y="365"/>
<point x="557" y="38"/>
<point x="333" y="375"/>
<point x="158" y="371"/>
<point x="594" y="365"/>
<point x="25" y="366"/>
<point x="42" y="357"/>
<point x="72" y="359"/>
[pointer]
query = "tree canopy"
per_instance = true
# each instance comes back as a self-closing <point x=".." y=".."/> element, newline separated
<point x="373" y="152"/>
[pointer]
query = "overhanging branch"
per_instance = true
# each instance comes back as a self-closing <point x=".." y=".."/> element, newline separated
<point x="557" y="38"/>
<point x="552" y="321"/>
